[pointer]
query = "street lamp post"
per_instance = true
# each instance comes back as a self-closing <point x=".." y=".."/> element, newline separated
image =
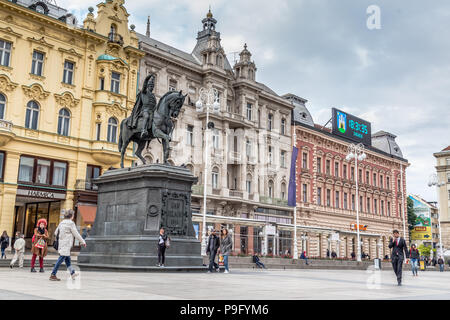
<point x="208" y="99"/>
<point x="434" y="181"/>
<point x="356" y="152"/>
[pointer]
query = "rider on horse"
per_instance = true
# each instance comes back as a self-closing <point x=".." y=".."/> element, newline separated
<point x="144" y="107"/>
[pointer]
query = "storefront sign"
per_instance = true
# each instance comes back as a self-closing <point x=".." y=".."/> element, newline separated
<point x="41" y="194"/>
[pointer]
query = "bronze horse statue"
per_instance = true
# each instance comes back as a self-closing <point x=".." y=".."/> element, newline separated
<point x="161" y="126"/>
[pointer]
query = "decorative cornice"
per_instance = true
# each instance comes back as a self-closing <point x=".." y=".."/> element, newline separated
<point x="71" y="51"/>
<point x="10" y="31"/>
<point x="35" y="91"/>
<point x="6" y="84"/>
<point x="40" y="41"/>
<point x="66" y="99"/>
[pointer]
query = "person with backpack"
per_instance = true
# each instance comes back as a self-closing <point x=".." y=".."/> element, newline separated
<point x="414" y="256"/>
<point x="65" y="233"/>
<point x="163" y="244"/>
<point x="39" y="245"/>
<point x="4" y="243"/>
<point x="440" y="262"/>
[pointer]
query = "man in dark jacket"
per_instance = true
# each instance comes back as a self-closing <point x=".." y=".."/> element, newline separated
<point x="398" y="246"/>
<point x="213" y="246"/>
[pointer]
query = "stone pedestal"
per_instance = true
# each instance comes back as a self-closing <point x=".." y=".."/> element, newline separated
<point x="133" y="203"/>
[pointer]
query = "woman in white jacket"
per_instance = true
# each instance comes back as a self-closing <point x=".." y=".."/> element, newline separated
<point x="67" y="231"/>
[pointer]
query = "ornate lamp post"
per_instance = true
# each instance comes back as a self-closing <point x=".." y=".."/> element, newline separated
<point x="434" y="181"/>
<point x="356" y="152"/>
<point x="208" y="99"/>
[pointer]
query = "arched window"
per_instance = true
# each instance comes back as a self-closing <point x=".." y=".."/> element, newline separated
<point x="215" y="178"/>
<point x="283" y="190"/>
<point x="219" y="61"/>
<point x="112" y="130"/>
<point x="250" y="74"/>
<point x="32" y="115"/>
<point x="63" y="122"/>
<point x="270" y="189"/>
<point x="2" y="106"/>
<point x="248" y="184"/>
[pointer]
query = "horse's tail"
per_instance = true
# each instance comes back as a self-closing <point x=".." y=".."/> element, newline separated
<point x="120" y="135"/>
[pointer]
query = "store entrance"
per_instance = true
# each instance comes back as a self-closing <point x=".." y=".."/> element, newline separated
<point x="28" y="214"/>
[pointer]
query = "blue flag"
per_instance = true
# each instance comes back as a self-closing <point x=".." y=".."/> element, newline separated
<point x="292" y="194"/>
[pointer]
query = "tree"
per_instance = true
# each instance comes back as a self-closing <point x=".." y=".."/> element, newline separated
<point x="412" y="217"/>
<point x="424" y="250"/>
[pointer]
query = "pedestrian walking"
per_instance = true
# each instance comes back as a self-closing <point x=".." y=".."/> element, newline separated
<point x="414" y="255"/>
<point x="303" y="256"/>
<point x="4" y="243"/>
<point x="226" y="245"/>
<point x="39" y="245"/>
<point x="440" y="262"/>
<point x="333" y="254"/>
<point x="163" y="242"/>
<point x="328" y="253"/>
<point x="65" y="233"/>
<point x="213" y="246"/>
<point x="258" y="262"/>
<point x="398" y="246"/>
<point x="353" y="255"/>
<point x="19" y="250"/>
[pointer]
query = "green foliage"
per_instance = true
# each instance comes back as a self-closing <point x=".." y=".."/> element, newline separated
<point x="412" y="217"/>
<point x="424" y="250"/>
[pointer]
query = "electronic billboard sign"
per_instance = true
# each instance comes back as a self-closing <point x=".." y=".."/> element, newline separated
<point x="351" y="127"/>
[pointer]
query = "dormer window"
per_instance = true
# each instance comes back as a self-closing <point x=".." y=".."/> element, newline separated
<point x="40" y="9"/>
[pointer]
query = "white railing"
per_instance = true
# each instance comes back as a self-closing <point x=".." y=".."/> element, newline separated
<point x="6" y="125"/>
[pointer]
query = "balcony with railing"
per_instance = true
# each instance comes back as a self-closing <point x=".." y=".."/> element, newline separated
<point x="234" y="157"/>
<point x="6" y="133"/>
<point x="237" y="194"/>
<point x="82" y="184"/>
<point x="274" y="201"/>
<point x="115" y="38"/>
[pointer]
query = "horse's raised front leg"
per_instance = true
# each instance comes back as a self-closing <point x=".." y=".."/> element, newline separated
<point x="138" y="153"/>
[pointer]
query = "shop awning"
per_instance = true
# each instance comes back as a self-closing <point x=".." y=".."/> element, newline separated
<point x="88" y="213"/>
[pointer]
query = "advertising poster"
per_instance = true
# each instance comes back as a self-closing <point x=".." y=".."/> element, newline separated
<point x="422" y="228"/>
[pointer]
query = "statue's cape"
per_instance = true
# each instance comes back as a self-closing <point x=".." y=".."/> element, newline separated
<point x="132" y="120"/>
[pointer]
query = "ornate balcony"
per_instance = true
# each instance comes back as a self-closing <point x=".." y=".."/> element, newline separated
<point x="234" y="157"/>
<point x="6" y="133"/>
<point x="238" y="194"/>
<point x="115" y="38"/>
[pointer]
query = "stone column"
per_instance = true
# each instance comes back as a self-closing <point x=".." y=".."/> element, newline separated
<point x="250" y="240"/>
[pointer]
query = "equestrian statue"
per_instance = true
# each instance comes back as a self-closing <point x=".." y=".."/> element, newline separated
<point x="150" y="120"/>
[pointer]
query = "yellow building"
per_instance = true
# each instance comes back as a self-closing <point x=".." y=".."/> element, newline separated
<point x="63" y="91"/>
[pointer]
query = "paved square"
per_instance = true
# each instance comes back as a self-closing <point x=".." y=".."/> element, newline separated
<point x="239" y="284"/>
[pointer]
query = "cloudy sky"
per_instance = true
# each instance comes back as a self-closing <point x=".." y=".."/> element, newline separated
<point x="396" y="77"/>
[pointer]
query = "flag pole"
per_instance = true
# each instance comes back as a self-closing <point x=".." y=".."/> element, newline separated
<point x="295" y="255"/>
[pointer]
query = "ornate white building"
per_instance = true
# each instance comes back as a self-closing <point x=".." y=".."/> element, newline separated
<point x="250" y="145"/>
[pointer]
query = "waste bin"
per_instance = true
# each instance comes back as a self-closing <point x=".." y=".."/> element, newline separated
<point x="377" y="263"/>
<point x="422" y="265"/>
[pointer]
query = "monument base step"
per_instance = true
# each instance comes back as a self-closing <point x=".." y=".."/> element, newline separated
<point x="127" y="268"/>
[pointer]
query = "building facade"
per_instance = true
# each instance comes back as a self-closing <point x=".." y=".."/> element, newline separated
<point x="443" y="173"/>
<point x="64" y="89"/>
<point x="249" y="146"/>
<point x="326" y="191"/>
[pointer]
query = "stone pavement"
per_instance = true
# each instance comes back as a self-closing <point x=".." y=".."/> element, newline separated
<point x="239" y="284"/>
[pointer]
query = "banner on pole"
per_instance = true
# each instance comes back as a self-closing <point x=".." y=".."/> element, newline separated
<point x="292" y="200"/>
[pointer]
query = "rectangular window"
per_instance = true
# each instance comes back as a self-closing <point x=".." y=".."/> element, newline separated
<point x="336" y="169"/>
<point x="345" y="201"/>
<point x="327" y="168"/>
<point x="319" y="196"/>
<point x="98" y="128"/>
<point x="328" y="197"/>
<point x="305" y="193"/>
<point x="2" y="164"/>
<point x="367" y="177"/>
<point x="344" y="173"/>
<point x="305" y="160"/>
<point x="336" y="203"/>
<point x="361" y="208"/>
<point x="353" y="202"/>
<point x="283" y="126"/>
<point x="388" y="185"/>
<point x="398" y="185"/>
<point x="190" y="135"/>
<point x="269" y="122"/>
<point x="400" y="210"/>
<point x="249" y="186"/>
<point x="270" y="155"/>
<point x="215" y="180"/>
<point x="360" y="176"/>
<point x="375" y="206"/>
<point x="249" y="111"/>
<point x="368" y="205"/>
<point x="92" y="172"/>
<point x="5" y="52"/>
<point x="382" y="207"/>
<point x="115" y="82"/>
<point x="389" y="208"/>
<point x="283" y="159"/>
<point x="43" y="171"/>
<point x="59" y="173"/>
<point x="215" y="139"/>
<point x="381" y="182"/>
<point x="172" y="85"/>
<point x="319" y="165"/>
<point x="26" y="167"/>
<point x="448" y="177"/>
<point x="37" y="63"/>
<point x="352" y="173"/>
<point x="102" y="83"/>
<point x="68" y="72"/>
<point x="375" y="179"/>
